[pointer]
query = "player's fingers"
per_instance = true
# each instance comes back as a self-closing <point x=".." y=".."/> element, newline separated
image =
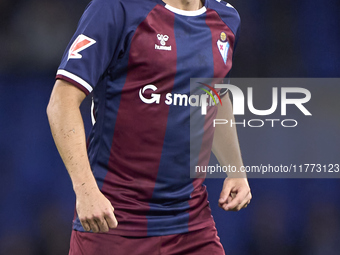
<point x="111" y="219"/>
<point x="249" y="199"/>
<point x="85" y="225"/>
<point x="225" y="193"/>
<point x="244" y="202"/>
<point x="238" y="200"/>
<point x="102" y="224"/>
<point x="229" y="199"/>
<point x="93" y="225"/>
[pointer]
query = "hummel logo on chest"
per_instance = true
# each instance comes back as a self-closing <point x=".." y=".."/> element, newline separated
<point x="162" y="39"/>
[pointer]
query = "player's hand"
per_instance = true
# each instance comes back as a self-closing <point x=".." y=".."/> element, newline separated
<point x="94" y="210"/>
<point x="235" y="194"/>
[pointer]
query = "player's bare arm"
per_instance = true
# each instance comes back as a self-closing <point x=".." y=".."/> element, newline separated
<point x="235" y="193"/>
<point x="94" y="209"/>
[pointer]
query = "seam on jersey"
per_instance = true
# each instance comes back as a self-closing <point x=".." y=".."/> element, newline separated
<point x="226" y="3"/>
<point x="123" y="37"/>
<point x="114" y="60"/>
<point x="224" y="22"/>
<point x="100" y="125"/>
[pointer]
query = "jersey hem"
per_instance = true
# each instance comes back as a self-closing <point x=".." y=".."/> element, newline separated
<point x="146" y="233"/>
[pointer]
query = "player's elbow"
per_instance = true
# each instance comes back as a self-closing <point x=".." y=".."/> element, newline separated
<point x="51" y="108"/>
<point x="64" y="98"/>
<point x="54" y="107"/>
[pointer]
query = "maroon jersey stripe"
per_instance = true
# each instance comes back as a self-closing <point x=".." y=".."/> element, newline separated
<point x="140" y="128"/>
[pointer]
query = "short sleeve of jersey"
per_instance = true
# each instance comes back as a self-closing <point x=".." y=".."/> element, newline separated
<point x="93" y="45"/>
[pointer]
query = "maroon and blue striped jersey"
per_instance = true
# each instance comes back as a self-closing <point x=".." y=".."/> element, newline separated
<point x="137" y="58"/>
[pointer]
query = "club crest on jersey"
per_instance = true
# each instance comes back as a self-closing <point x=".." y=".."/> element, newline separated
<point x="81" y="43"/>
<point x="223" y="46"/>
<point x="162" y="39"/>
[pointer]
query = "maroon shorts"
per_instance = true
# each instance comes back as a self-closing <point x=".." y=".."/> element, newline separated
<point x="200" y="242"/>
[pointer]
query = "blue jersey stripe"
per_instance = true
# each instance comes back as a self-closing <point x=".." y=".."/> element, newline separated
<point x="170" y="190"/>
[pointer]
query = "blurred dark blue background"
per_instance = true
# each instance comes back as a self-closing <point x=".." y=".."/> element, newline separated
<point x="278" y="39"/>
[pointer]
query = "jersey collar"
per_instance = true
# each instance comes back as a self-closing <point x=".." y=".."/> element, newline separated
<point x="186" y="13"/>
